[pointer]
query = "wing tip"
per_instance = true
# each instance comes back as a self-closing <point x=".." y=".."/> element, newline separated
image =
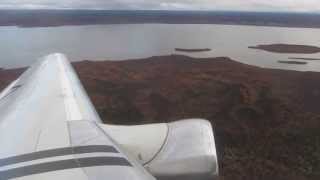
<point x="55" y="57"/>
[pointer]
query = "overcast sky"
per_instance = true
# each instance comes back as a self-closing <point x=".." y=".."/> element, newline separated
<point x="251" y="5"/>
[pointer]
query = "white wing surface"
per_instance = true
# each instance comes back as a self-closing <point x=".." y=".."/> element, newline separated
<point x="49" y="130"/>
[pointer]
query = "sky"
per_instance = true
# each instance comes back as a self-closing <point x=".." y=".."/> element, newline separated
<point x="237" y="5"/>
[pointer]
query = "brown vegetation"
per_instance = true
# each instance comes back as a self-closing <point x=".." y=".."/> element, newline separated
<point x="266" y="121"/>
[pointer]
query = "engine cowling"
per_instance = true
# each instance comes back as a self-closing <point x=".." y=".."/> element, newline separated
<point x="178" y="150"/>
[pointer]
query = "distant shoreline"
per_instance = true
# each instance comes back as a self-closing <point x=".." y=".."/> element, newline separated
<point x="55" y="18"/>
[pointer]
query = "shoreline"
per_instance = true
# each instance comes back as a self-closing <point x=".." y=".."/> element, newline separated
<point x="155" y="22"/>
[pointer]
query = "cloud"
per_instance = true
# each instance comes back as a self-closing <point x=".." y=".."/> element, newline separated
<point x="244" y="5"/>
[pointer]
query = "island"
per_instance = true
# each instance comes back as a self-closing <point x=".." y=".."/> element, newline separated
<point x="306" y="59"/>
<point x="288" y="48"/>
<point x="192" y="50"/>
<point x="293" y="62"/>
<point x="266" y="121"/>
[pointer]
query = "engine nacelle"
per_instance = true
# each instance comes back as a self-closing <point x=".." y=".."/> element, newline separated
<point x="179" y="150"/>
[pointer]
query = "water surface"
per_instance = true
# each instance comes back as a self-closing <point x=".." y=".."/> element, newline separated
<point x="22" y="46"/>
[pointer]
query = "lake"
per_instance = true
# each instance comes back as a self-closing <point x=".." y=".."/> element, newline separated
<point x="21" y="46"/>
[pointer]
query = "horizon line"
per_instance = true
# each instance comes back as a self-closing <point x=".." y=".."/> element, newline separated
<point x="168" y="10"/>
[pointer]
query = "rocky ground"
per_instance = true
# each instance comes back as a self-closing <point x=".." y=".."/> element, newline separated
<point x="266" y="121"/>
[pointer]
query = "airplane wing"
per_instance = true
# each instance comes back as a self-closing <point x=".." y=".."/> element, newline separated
<point x="50" y="130"/>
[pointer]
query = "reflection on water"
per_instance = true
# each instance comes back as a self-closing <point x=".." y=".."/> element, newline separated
<point x="21" y="46"/>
